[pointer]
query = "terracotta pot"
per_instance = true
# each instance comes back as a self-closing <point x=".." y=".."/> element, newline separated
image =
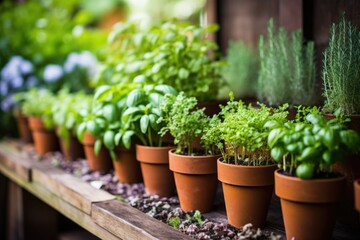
<point x="351" y="169"/>
<point x="73" y="149"/>
<point x="247" y="192"/>
<point x="44" y="140"/>
<point x="100" y="162"/>
<point x="154" y="162"/>
<point x="23" y="127"/>
<point x="357" y="194"/>
<point x="308" y="206"/>
<point x="195" y="180"/>
<point x="127" y="169"/>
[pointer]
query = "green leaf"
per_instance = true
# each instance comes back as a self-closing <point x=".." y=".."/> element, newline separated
<point x="117" y="138"/>
<point x="92" y="127"/>
<point x="109" y="139"/>
<point x="97" y="146"/>
<point x="80" y="131"/>
<point x="127" y="138"/>
<point x="351" y="139"/>
<point x="144" y="123"/>
<point x="109" y="112"/>
<point x="277" y="153"/>
<point x="305" y="171"/>
<point x="274" y="136"/>
<point x="166" y="89"/>
<point x="101" y="91"/>
<point x="308" y="153"/>
<point x="309" y="140"/>
<point x="291" y="147"/>
<point x="330" y="138"/>
<point x="135" y="97"/>
<point x="183" y="73"/>
<point x="129" y="111"/>
<point x="272" y="124"/>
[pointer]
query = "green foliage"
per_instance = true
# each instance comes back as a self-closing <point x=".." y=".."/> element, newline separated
<point x="287" y="68"/>
<point x="170" y="54"/>
<point x="184" y="122"/>
<point x="67" y="111"/>
<point x="174" y="222"/>
<point x="306" y="148"/>
<point x="241" y="71"/>
<point x="341" y="69"/>
<point x="142" y="113"/>
<point x="240" y="134"/>
<point x="38" y="103"/>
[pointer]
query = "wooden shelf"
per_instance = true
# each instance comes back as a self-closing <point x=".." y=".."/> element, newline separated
<point x="95" y="210"/>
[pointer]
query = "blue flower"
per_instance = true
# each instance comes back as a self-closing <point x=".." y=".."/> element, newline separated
<point x="17" y="82"/>
<point x="52" y="73"/>
<point x="85" y="60"/>
<point x="7" y="103"/>
<point x="71" y="62"/>
<point x="3" y="88"/>
<point x="26" y="67"/>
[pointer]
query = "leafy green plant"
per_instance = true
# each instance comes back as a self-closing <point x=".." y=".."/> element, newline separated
<point x="66" y="112"/>
<point x="143" y="113"/>
<point x="170" y="54"/>
<point x="308" y="148"/>
<point x="38" y="103"/>
<point x="104" y="121"/>
<point x="287" y="68"/>
<point x="341" y="69"/>
<point x="239" y="132"/>
<point x="241" y="71"/>
<point x="185" y="123"/>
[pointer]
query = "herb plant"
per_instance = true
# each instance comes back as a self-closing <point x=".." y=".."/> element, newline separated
<point x="308" y="148"/>
<point x="239" y="132"/>
<point x="38" y="103"/>
<point x="185" y="123"/>
<point x="143" y="113"/>
<point x="170" y="54"/>
<point x="66" y="112"/>
<point x="341" y="69"/>
<point x="287" y="68"/>
<point x="241" y="71"/>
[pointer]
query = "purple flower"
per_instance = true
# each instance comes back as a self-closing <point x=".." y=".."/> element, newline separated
<point x="71" y="62"/>
<point x="3" y="88"/>
<point x="7" y="103"/>
<point x="52" y="73"/>
<point x="85" y="60"/>
<point x="26" y="67"/>
<point x="17" y="82"/>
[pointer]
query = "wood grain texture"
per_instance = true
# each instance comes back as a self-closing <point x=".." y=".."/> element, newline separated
<point x="15" y="161"/>
<point x="127" y="222"/>
<point x="73" y="190"/>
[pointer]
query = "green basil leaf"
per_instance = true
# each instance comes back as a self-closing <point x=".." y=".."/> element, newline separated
<point x="277" y="153"/>
<point x="305" y="171"/>
<point x="274" y="136"/>
<point x="97" y="146"/>
<point x="144" y="123"/>
<point x="127" y="138"/>
<point x="80" y="131"/>
<point x="109" y="139"/>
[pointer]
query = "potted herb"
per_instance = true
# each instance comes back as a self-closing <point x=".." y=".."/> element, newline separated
<point x="287" y="69"/>
<point x="66" y="114"/>
<point x="194" y="169"/>
<point x="89" y="130"/>
<point x="340" y="73"/>
<point x="142" y="115"/>
<point x="116" y="136"/>
<point x="305" y="151"/>
<point x="246" y="169"/>
<point x="37" y="106"/>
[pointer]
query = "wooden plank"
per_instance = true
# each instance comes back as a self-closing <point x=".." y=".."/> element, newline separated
<point x="127" y="222"/>
<point x="68" y="210"/>
<point x="73" y="190"/>
<point x="15" y="161"/>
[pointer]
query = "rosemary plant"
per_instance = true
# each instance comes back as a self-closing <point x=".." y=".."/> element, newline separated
<point x="287" y="68"/>
<point x="341" y="69"/>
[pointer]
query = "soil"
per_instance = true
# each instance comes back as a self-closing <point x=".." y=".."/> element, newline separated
<point x="163" y="209"/>
<point x="318" y="175"/>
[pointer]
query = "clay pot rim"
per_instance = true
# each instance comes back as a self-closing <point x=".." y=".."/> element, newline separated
<point x="296" y="179"/>
<point x="245" y="166"/>
<point x="357" y="184"/>
<point x="171" y="151"/>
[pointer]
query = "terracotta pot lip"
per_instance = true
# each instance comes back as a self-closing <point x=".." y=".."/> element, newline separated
<point x="154" y="147"/>
<point x="244" y="166"/>
<point x="357" y="183"/>
<point x="171" y="151"/>
<point x="296" y="179"/>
